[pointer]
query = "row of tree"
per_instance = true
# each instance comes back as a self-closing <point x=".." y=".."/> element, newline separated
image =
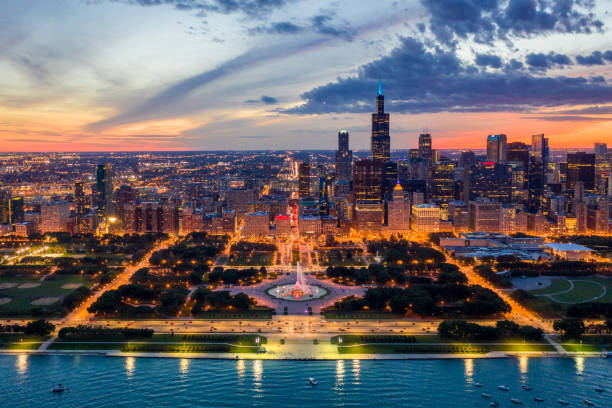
<point x="463" y="330"/>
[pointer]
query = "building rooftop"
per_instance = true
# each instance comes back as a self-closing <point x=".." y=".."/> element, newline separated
<point x="569" y="247"/>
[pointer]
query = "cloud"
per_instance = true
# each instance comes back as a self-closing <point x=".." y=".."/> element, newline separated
<point x="164" y="100"/>
<point x="253" y="8"/>
<point x="487" y="20"/>
<point x="418" y="80"/>
<point x="542" y="62"/>
<point x="596" y="58"/>
<point x="590" y="110"/>
<point x="321" y="24"/>
<point x="568" y="118"/>
<point x="268" y="100"/>
<point x="488" y="60"/>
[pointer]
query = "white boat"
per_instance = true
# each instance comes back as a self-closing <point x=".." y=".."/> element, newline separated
<point x="494" y="404"/>
<point x="538" y="399"/>
<point x="516" y="401"/>
<point x="503" y="387"/>
<point x="479" y="385"/>
<point x="588" y="402"/>
<point x="58" y="388"/>
<point x="485" y="395"/>
<point x="562" y="401"/>
<point x="527" y="387"/>
<point x="312" y="381"/>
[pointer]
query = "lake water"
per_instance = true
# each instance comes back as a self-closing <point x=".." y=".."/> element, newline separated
<point x="93" y="381"/>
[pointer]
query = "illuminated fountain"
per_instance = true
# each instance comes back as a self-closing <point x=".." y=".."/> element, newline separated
<point x="298" y="291"/>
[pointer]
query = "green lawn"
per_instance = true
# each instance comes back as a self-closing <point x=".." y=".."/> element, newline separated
<point x="423" y="348"/>
<point x="583" y="290"/>
<point x="20" y="341"/>
<point x="556" y="285"/>
<point x="23" y="291"/>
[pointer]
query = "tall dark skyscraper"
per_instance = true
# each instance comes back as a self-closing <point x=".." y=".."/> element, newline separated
<point x="103" y="190"/>
<point x="381" y="142"/>
<point x="538" y="162"/>
<point x="425" y="151"/>
<point x="304" y="180"/>
<point x="581" y="167"/>
<point x="344" y="158"/>
<point x="497" y="149"/>
<point x="367" y="181"/>
<point x="80" y="203"/>
<point x="519" y="152"/>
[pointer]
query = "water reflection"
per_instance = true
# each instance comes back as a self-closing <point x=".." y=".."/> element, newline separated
<point x="257" y="374"/>
<point x="184" y="365"/>
<point x="129" y="366"/>
<point x="356" y="370"/>
<point x="339" y="373"/>
<point x="240" y="368"/>
<point x="523" y="364"/>
<point x="579" y="364"/>
<point x="21" y="363"/>
<point x="468" y="369"/>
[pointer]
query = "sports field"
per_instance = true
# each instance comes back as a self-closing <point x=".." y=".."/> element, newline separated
<point x="576" y="290"/>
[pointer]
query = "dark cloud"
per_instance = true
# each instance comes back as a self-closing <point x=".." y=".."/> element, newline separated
<point x="488" y="60"/>
<point x="322" y="25"/>
<point x="590" y="110"/>
<point x="541" y="61"/>
<point x="568" y="118"/>
<point x="417" y="79"/>
<point x="268" y="100"/>
<point x="487" y="20"/>
<point x="249" y="7"/>
<point x="596" y="58"/>
<point x="282" y="27"/>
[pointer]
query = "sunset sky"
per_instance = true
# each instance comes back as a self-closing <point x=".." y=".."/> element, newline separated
<point x="110" y="75"/>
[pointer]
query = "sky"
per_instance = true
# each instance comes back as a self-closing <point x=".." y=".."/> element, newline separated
<point x="142" y="75"/>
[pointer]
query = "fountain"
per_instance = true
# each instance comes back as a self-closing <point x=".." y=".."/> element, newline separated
<point x="299" y="291"/>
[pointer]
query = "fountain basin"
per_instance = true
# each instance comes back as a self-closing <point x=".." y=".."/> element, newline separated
<point x="303" y="293"/>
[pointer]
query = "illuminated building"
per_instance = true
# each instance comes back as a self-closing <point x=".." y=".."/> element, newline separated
<point x="304" y="179"/>
<point x="484" y="216"/>
<point x="425" y="218"/>
<point x="344" y="158"/>
<point x="399" y="211"/>
<point x="54" y="216"/>
<point x="538" y="163"/>
<point x="381" y="141"/>
<point x="103" y="191"/>
<point x="497" y="151"/>
<point x="443" y="182"/>
<point x="256" y="224"/>
<point x="283" y="226"/>
<point x="581" y="167"/>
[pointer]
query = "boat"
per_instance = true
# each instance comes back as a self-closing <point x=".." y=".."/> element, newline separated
<point x="588" y="402"/>
<point x="527" y="387"/>
<point x="516" y="401"/>
<point x="58" y="388"/>
<point x="562" y="401"/>
<point x="485" y="395"/>
<point x="312" y="381"/>
<point x="494" y="404"/>
<point x="538" y="399"/>
<point x="479" y="385"/>
<point x="503" y="387"/>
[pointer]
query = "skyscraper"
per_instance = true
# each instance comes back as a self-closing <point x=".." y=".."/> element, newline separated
<point x="304" y="180"/>
<point x="425" y="151"/>
<point x="344" y="158"/>
<point x="381" y="142"/>
<point x="497" y="151"/>
<point x="104" y="191"/>
<point x="519" y="152"/>
<point x="538" y="162"/>
<point x="80" y="203"/>
<point x="581" y="167"/>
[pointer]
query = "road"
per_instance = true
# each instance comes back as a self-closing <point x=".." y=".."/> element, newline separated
<point x="80" y="313"/>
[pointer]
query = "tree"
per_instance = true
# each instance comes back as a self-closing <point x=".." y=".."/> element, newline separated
<point x="569" y="327"/>
<point x="39" y="327"/>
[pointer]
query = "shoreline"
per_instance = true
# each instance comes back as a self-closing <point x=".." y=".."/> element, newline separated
<point x="256" y="356"/>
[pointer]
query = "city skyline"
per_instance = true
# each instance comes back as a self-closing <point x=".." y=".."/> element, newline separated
<point x="214" y="75"/>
